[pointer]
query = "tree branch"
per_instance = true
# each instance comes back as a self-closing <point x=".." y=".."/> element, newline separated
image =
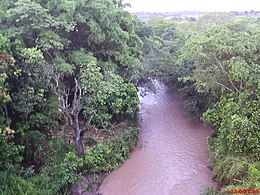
<point x="225" y="72"/>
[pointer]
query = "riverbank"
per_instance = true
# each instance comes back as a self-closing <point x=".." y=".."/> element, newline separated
<point x="103" y="157"/>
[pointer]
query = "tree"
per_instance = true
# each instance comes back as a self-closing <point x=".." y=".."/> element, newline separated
<point x="72" y="47"/>
<point x="162" y="40"/>
<point x="121" y="4"/>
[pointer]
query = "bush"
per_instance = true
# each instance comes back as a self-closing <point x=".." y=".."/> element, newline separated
<point x="89" y="141"/>
<point x="34" y="148"/>
<point x="116" y="99"/>
<point x="237" y="126"/>
<point x="234" y="172"/>
<point x="191" y="108"/>
<point x="237" y="173"/>
<point x="9" y="154"/>
<point x="63" y="167"/>
<point x="13" y="184"/>
<point x="63" y="174"/>
<point x="106" y="157"/>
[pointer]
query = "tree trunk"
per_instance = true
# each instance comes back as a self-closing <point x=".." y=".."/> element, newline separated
<point x="79" y="146"/>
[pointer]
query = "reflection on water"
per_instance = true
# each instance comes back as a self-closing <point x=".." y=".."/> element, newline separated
<point x="173" y="158"/>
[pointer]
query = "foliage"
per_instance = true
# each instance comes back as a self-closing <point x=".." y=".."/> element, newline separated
<point x="106" y="157"/>
<point x="10" y="154"/>
<point x="225" y="62"/>
<point x="64" y="168"/>
<point x="162" y="39"/>
<point x="191" y="108"/>
<point x="115" y="98"/>
<point x="238" y="125"/>
<point x="33" y="147"/>
<point x="237" y="173"/>
<point x="215" y="62"/>
<point x="14" y="184"/>
<point x="62" y="48"/>
<point x="62" y="63"/>
<point x="61" y="175"/>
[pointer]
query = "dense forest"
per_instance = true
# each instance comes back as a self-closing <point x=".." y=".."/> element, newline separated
<point x="69" y="71"/>
<point x="67" y="85"/>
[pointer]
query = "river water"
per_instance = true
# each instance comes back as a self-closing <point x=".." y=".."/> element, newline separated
<point x="173" y="157"/>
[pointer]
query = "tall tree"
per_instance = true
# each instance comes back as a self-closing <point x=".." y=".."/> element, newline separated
<point x="72" y="47"/>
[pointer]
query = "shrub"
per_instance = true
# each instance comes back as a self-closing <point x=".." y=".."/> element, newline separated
<point x="238" y="173"/>
<point x="34" y="149"/>
<point x="191" y="108"/>
<point x="9" y="154"/>
<point x="107" y="156"/>
<point x="11" y="183"/>
<point x="64" y="167"/>
<point x="237" y="126"/>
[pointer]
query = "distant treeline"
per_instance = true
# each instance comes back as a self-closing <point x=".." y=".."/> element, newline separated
<point x="187" y="14"/>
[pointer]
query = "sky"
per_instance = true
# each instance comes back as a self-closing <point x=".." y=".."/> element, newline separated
<point x="192" y="5"/>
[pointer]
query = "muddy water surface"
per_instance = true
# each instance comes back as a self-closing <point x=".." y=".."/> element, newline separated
<point x="173" y="158"/>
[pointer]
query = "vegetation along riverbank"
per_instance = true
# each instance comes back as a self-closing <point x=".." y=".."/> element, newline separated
<point x="69" y="71"/>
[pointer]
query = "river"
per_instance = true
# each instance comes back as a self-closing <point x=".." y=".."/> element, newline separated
<point x="173" y="157"/>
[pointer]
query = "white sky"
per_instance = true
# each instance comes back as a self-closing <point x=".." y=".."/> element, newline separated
<point x="191" y="5"/>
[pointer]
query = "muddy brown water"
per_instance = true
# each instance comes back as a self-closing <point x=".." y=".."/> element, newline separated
<point x="173" y="158"/>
